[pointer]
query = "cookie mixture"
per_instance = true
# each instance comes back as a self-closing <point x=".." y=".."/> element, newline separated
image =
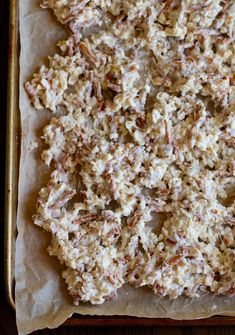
<point x="141" y="141"/>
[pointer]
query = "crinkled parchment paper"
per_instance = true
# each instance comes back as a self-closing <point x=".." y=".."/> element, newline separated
<point x="41" y="296"/>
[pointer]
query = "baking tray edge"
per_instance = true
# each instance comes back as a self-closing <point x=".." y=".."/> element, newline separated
<point x="12" y="150"/>
<point x="11" y="187"/>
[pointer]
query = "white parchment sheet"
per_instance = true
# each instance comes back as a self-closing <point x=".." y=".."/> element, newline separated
<point x="41" y="295"/>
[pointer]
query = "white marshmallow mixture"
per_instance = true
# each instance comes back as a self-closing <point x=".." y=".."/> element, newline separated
<point x="142" y="143"/>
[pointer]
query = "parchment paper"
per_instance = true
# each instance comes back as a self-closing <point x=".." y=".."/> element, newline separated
<point x="41" y="295"/>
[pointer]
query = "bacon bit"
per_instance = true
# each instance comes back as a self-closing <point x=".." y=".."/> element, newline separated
<point x="112" y="186"/>
<point x="189" y="134"/>
<point x="89" y="75"/>
<point x="176" y="151"/>
<point x="65" y="197"/>
<point x="86" y="218"/>
<point x="196" y="113"/>
<point x="97" y="91"/>
<point x="131" y="68"/>
<point x="164" y="192"/>
<point x="198" y="7"/>
<point x="167" y="138"/>
<point x="140" y="122"/>
<point x="230" y="220"/>
<point x="174" y="260"/>
<point x="169" y="240"/>
<point x="101" y="106"/>
<point x="127" y="160"/>
<point x="208" y="60"/>
<point x="71" y="49"/>
<point x="127" y="258"/>
<point x="87" y="53"/>
<point x="232" y="80"/>
<point x="52" y="84"/>
<point x="134" y="219"/>
<point x="110" y="279"/>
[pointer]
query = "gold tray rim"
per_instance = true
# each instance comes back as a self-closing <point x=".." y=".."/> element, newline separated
<point x="12" y="148"/>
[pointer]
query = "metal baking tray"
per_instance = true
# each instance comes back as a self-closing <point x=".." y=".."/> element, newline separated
<point x="11" y="195"/>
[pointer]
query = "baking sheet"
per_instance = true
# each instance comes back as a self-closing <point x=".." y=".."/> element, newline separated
<point x="41" y="296"/>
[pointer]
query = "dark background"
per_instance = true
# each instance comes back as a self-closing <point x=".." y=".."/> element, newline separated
<point x="7" y="315"/>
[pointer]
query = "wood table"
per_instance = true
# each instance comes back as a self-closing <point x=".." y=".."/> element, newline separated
<point x="7" y="315"/>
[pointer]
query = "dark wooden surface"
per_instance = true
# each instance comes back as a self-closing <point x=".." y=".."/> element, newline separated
<point x="7" y="315"/>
